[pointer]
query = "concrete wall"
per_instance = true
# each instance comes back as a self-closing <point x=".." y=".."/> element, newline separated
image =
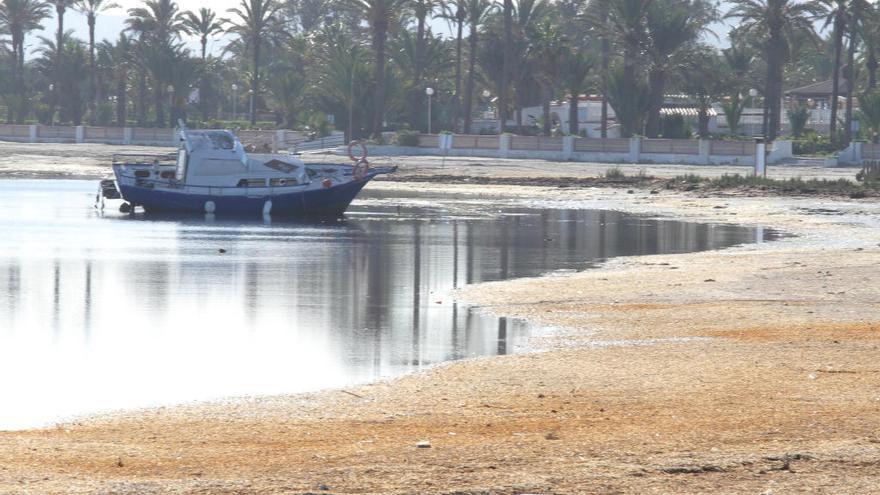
<point x="570" y="148"/>
<point x="137" y="136"/>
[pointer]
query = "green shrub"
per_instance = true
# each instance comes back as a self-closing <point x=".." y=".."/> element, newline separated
<point x="614" y="173"/>
<point x="812" y="143"/>
<point x="797" y="117"/>
<point x="869" y="175"/>
<point x="406" y="138"/>
<point x="675" y="127"/>
<point x="689" y="178"/>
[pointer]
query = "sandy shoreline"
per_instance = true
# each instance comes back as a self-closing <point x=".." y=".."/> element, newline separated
<point x="749" y="370"/>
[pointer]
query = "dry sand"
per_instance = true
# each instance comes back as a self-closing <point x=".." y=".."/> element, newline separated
<point x="750" y="370"/>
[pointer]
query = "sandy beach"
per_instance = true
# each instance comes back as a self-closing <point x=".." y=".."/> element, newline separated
<point x="750" y="370"/>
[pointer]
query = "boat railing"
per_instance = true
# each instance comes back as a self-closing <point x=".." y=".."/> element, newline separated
<point x="145" y="159"/>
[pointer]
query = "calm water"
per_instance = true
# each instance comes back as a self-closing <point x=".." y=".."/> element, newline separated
<point x="103" y="311"/>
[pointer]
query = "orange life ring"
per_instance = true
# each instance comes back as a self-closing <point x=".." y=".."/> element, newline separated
<point x="360" y="169"/>
<point x="351" y="146"/>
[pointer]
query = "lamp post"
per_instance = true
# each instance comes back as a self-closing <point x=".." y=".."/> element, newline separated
<point x="251" y="95"/>
<point x="234" y="101"/>
<point x="54" y="99"/>
<point x="430" y="92"/>
<point x="170" y="89"/>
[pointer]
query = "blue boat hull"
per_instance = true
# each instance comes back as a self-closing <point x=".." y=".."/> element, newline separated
<point x="329" y="202"/>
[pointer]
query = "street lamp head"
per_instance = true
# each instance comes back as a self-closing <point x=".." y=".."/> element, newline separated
<point x="234" y="87"/>
<point x="753" y="92"/>
<point x="486" y="93"/>
<point x="170" y="88"/>
<point x="429" y="91"/>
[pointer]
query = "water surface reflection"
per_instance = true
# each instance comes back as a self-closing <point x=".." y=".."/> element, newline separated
<point x="104" y="312"/>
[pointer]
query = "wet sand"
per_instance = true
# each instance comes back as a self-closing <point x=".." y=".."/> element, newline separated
<point x="749" y="370"/>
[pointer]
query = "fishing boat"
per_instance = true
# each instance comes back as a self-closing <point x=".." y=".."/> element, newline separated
<point x="211" y="173"/>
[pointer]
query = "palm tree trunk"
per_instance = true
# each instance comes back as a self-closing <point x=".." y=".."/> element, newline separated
<point x="835" y="73"/>
<point x="520" y="103"/>
<point x="657" y="82"/>
<point x="546" y="94"/>
<point x="120" y="100"/>
<point x="93" y="94"/>
<point x="21" y="112"/>
<point x="506" y="64"/>
<point x="418" y="90"/>
<point x="871" y="64"/>
<point x="606" y="61"/>
<point x="142" y="99"/>
<point x="255" y="80"/>
<point x="850" y="85"/>
<point x="775" y="103"/>
<point x="59" y="48"/>
<point x="10" y="111"/>
<point x="573" y="124"/>
<point x="629" y="86"/>
<point x="456" y="111"/>
<point x="158" y="94"/>
<point x="203" y="101"/>
<point x="469" y="89"/>
<point x="380" y="34"/>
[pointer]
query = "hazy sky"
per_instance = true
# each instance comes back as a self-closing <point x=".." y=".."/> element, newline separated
<point x="112" y="22"/>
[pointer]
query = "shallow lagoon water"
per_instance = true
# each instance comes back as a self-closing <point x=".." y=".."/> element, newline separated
<point x="103" y="311"/>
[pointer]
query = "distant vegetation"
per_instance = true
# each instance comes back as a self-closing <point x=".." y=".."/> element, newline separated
<point x="365" y="65"/>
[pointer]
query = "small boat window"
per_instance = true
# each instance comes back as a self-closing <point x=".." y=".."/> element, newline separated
<point x="252" y="183"/>
<point x="281" y="182"/>
<point x="221" y="140"/>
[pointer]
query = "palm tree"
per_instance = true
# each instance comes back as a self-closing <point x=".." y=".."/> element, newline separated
<point x="158" y="25"/>
<point x="204" y="25"/>
<point x="420" y="9"/>
<point x="255" y="18"/>
<point x="456" y="12"/>
<point x="507" y="62"/>
<point x="670" y="26"/>
<point x="627" y="25"/>
<point x="478" y="11"/>
<point x="528" y="14"/>
<point x="703" y="81"/>
<point x="869" y="114"/>
<point x="20" y="17"/>
<point x="60" y="8"/>
<point x="855" y="19"/>
<point x="119" y="56"/>
<point x="345" y="78"/>
<point x="91" y="9"/>
<point x="870" y="34"/>
<point x="577" y="67"/>
<point x="380" y="15"/>
<point x="72" y="72"/>
<point x="160" y="20"/>
<point x="738" y="60"/>
<point x="596" y="16"/>
<point x="547" y="50"/>
<point x="837" y="10"/>
<point x="776" y="23"/>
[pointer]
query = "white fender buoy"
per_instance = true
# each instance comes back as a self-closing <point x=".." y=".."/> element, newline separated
<point x="267" y="207"/>
<point x="210" y="207"/>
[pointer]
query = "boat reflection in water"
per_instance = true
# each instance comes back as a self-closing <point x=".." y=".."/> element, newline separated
<point x="100" y="313"/>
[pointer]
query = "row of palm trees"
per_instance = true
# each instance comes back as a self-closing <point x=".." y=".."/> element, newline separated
<point x="368" y="62"/>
